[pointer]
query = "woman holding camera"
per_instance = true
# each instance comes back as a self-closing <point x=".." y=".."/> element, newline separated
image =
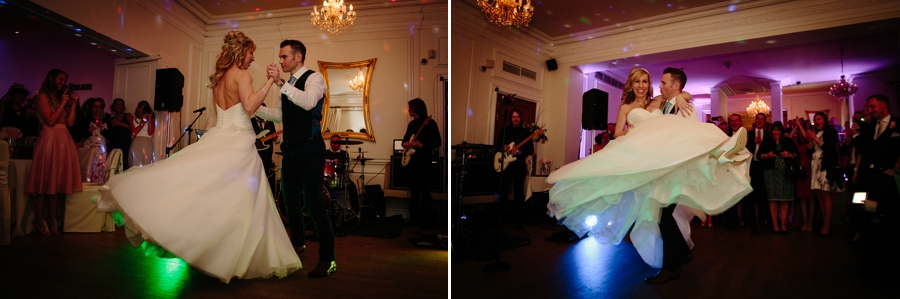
<point x="142" y="145"/>
<point x="54" y="169"/>
<point x="776" y="154"/>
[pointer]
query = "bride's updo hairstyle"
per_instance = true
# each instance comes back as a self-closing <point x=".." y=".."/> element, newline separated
<point x="235" y="47"/>
<point x="628" y="95"/>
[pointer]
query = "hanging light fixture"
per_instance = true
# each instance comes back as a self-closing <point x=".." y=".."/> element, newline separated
<point x="358" y="82"/>
<point x="507" y="12"/>
<point x="334" y="16"/>
<point x="757" y="107"/>
<point x="843" y="89"/>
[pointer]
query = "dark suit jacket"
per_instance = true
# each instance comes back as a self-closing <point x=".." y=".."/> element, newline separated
<point x="883" y="152"/>
<point x="768" y="145"/>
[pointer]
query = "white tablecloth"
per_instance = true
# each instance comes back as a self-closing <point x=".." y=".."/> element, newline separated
<point x="536" y="184"/>
<point x="81" y="212"/>
<point x="21" y="205"/>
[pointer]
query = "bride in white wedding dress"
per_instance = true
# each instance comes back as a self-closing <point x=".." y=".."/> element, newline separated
<point x="210" y="204"/>
<point x="663" y="159"/>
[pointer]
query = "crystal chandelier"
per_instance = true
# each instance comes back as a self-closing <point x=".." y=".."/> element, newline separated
<point x="507" y="12"/>
<point x="843" y="90"/>
<point x="334" y="16"/>
<point x="358" y="82"/>
<point x="757" y="107"/>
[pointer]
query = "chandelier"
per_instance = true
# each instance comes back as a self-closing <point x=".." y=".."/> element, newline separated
<point x="843" y="90"/>
<point x="334" y="16"/>
<point x="358" y="82"/>
<point x="507" y="12"/>
<point x="757" y="107"/>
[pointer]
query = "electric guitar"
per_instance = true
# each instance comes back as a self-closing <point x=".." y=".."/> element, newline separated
<point x="408" y="152"/>
<point x="261" y="139"/>
<point x="502" y="159"/>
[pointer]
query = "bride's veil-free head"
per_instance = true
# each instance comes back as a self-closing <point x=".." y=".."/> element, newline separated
<point x="235" y="47"/>
<point x="628" y="95"/>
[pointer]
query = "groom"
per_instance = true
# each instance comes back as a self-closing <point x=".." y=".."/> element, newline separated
<point x="300" y="110"/>
<point x="675" y="249"/>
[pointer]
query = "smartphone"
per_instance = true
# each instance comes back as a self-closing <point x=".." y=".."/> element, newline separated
<point x="859" y="197"/>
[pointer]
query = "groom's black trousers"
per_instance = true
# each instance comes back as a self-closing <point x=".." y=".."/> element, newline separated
<point x="302" y="185"/>
<point x="675" y="248"/>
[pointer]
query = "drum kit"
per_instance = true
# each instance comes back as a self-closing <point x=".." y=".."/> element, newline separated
<point x="339" y="187"/>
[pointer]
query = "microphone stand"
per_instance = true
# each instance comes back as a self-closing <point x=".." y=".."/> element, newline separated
<point x="188" y="130"/>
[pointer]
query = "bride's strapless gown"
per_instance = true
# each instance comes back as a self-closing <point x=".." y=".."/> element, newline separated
<point x="663" y="160"/>
<point x="209" y="204"/>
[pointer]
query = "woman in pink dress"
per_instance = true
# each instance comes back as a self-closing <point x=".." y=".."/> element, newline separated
<point x="54" y="169"/>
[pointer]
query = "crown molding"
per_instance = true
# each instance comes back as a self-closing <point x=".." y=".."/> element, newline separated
<point x="465" y="15"/>
<point x="179" y="16"/>
<point x="381" y="20"/>
<point x="761" y="21"/>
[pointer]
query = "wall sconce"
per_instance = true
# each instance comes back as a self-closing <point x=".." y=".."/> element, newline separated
<point x="489" y="64"/>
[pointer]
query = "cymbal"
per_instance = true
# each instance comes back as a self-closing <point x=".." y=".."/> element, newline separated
<point x="350" y="142"/>
<point x="363" y="159"/>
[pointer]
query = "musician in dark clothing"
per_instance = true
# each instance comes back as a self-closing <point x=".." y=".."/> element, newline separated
<point x="420" y="177"/>
<point x="260" y="124"/>
<point x="514" y="173"/>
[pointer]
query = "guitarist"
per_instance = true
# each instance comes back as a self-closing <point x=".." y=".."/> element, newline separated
<point x="515" y="172"/>
<point x="259" y="125"/>
<point x="419" y="174"/>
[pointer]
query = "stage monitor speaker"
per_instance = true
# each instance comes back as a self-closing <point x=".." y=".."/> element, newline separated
<point x="551" y="64"/>
<point x="400" y="175"/>
<point x="376" y="199"/>
<point x="169" y="84"/>
<point x="594" y="109"/>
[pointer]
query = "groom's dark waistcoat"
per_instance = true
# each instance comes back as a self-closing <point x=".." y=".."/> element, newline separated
<point x="300" y="124"/>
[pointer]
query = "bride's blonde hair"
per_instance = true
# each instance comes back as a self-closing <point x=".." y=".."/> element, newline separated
<point x="628" y="95"/>
<point x="234" y="49"/>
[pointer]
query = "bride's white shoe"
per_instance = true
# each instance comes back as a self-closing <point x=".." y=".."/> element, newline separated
<point x="734" y="145"/>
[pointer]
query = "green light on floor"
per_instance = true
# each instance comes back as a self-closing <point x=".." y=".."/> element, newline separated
<point x="166" y="277"/>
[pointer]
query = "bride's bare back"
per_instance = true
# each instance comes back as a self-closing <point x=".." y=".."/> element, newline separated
<point x="228" y="91"/>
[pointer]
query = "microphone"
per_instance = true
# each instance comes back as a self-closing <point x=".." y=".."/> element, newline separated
<point x="200" y="110"/>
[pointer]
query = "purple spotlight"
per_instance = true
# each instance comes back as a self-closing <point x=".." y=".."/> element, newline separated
<point x="732" y="7"/>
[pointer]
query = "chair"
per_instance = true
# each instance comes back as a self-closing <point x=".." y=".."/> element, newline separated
<point x="81" y="207"/>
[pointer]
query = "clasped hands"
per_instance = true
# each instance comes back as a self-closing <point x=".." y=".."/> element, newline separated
<point x="272" y="72"/>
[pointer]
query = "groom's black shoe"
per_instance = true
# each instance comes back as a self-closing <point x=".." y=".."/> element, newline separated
<point x="300" y="250"/>
<point x="323" y="269"/>
<point x="664" y="276"/>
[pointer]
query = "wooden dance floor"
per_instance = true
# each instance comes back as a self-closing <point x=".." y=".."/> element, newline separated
<point x="104" y="265"/>
<point x="727" y="264"/>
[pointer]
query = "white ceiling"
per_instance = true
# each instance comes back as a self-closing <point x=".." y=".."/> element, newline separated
<point x="811" y="57"/>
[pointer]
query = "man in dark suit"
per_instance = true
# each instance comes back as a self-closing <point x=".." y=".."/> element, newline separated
<point x="879" y="156"/>
<point x="676" y="252"/>
<point x="756" y="201"/>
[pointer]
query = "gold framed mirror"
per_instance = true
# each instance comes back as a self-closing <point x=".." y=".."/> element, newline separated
<point x="346" y="108"/>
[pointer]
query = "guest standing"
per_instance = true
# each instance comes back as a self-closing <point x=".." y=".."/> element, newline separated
<point x="120" y="132"/>
<point x="54" y="168"/>
<point x="144" y="124"/>
<point x="775" y="154"/>
<point x="824" y="159"/>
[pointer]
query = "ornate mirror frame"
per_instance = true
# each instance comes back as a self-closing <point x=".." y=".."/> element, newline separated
<point x="324" y="66"/>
